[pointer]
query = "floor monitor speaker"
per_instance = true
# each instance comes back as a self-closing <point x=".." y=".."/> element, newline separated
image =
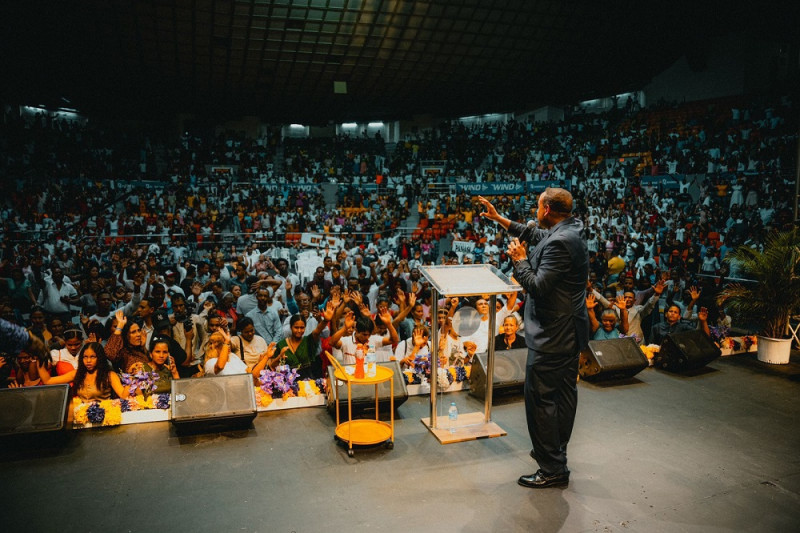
<point x="687" y="350"/>
<point x="33" y="409"/>
<point x="508" y="376"/>
<point x="612" y="359"/>
<point x="364" y="395"/>
<point x="213" y="403"/>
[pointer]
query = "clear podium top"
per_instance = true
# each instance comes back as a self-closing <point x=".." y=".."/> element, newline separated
<point x="468" y="280"/>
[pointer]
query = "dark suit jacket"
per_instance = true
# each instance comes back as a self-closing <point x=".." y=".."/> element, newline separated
<point x="554" y="276"/>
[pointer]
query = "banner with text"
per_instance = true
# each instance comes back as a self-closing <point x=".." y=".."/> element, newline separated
<point x="318" y="240"/>
<point x="463" y="247"/>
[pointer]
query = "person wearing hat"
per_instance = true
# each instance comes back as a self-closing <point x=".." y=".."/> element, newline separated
<point x="170" y="280"/>
<point x="162" y="332"/>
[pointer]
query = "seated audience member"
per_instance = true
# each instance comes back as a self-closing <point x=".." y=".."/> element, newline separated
<point x="360" y="333"/>
<point x="219" y="359"/>
<point x="227" y="311"/>
<point x="481" y="336"/>
<point x="162" y="363"/>
<point x="302" y="352"/>
<point x="66" y="359"/>
<point x="38" y="326"/>
<point x="451" y="349"/>
<point x="126" y="346"/>
<point x="417" y="345"/>
<point x="189" y="330"/>
<point x="162" y="328"/>
<point x="265" y="319"/>
<point x="26" y="373"/>
<point x="247" y="345"/>
<point x="673" y="324"/>
<point x="608" y="319"/>
<point x="508" y="338"/>
<point x="55" y="326"/>
<point x="93" y="379"/>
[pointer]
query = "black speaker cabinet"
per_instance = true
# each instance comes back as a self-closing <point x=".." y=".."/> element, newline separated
<point x="687" y="350"/>
<point x="508" y="376"/>
<point x="33" y="409"/>
<point x="364" y="395"/>
<point x="213" y="403"/>
<point x="612" y="359"/>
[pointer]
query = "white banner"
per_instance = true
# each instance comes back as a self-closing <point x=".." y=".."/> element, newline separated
<point x="318" y="240"/>
<point x="463" y="247"/>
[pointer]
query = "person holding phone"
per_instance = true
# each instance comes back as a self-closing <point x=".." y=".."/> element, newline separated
<point x="161" y="363"/>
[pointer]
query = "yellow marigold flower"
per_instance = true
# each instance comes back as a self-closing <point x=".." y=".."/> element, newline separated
<point x="113" y="416"/>
<point x="80" y="414"/>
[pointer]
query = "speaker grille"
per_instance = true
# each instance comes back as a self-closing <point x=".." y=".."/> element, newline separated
<point x="687" y="350"/>
<point x="33" y="409"/>
<point x="211" y="397"/>
<point x="612" y="359"/>
<point x="508" y="375"/>
<point x="506" y="369"/>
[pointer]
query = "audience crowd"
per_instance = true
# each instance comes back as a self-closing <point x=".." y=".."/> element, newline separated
<point x="125" y="253"/>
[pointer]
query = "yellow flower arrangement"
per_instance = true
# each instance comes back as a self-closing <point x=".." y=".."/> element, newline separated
<point x="288" y="395"/>
<point x="113" y="415"/>
<point x="145" y="403"/>
<point x="80" y="414"/>
<point x="307" y="388"/>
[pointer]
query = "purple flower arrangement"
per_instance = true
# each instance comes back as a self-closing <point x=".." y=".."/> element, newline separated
<point x="162" y="401"/>
<point x="718" y="333"/>
<point x="277" y="383"/>
<point x="635" y="337"/>
<point x="95" y="414"/>
<point x="461" y="374"/>
<point x="142" y="382"/>
<point x="422" y="365"/>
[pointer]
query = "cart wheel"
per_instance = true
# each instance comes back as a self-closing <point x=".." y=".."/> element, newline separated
<point x="350" y="453"/>
<point x="390" y="445"/>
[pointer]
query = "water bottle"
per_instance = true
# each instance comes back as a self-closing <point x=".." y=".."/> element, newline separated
<point x="371" y="360"/>
<point x="452" y="415"/>
<point x="359" y="372"/>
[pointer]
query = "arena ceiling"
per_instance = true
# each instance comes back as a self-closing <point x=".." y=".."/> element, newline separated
<point x="281" y="60"/>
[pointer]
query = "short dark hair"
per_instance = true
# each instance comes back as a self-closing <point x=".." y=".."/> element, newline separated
<point x="559" y="200"/>
<point x="244" y="322"/>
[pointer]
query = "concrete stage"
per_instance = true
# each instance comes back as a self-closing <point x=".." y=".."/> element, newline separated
<point x="714" y="451"/>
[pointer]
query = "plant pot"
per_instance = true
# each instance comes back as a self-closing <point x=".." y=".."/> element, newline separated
<point x="774" y="351"/>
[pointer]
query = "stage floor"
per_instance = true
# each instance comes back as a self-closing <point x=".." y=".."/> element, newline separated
<point x="714" y="451"/>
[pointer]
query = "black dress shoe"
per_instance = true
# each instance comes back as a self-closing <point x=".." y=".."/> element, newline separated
<point x="540" y="480"/>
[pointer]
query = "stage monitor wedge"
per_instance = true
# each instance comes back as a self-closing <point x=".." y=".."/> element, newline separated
<point x="509" y="373"/>
<point x="612" y="359"/>
<point x="213" y="403"/>
<point x="687" y="350"/>
<point x="33" y="409"/>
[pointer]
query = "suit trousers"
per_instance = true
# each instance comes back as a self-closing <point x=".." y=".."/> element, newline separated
<point x="551" y="400"/>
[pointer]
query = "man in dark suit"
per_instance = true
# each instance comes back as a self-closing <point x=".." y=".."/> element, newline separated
<point x="552" y="265"/>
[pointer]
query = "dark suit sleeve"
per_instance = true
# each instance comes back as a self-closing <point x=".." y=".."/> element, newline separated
<point x="554" y="263"/>
<point x="528" y="233"/>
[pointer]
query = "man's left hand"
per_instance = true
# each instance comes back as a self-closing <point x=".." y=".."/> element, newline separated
<point x="516" y="250"/>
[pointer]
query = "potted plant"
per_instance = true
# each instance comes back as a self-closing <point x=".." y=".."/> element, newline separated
<point x="773" y="295"/>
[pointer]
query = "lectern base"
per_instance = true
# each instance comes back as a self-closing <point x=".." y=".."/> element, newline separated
<point x="471" y="426"/>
